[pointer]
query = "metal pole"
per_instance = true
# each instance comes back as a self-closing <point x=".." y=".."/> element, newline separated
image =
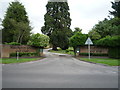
<point x="89" y="50"/>
<point x="17" y="55"/>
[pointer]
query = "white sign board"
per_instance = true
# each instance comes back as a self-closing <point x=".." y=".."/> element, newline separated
<point x="88" y="42"/>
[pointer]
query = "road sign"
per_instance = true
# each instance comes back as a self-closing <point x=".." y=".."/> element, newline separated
<point x="88" y="41"/>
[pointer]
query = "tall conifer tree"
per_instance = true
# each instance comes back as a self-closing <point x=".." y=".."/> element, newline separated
<point x="57" y="24"/>
<point x="16" y="26"/>
<point x="116" y="7"/>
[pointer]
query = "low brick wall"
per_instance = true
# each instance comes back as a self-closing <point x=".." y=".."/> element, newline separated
<point x="94" y="49"/>
<point x="7" y="49"/>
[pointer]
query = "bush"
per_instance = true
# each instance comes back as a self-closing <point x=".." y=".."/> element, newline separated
<point x="39" y="40"/>
<point x="67" y="50"/>
<point x="22" y="54"/>
<point x="114" y="52"/>
<point x="94" y="54"/>
<point x="13" y="43"/>
<point x="109" y="41"/>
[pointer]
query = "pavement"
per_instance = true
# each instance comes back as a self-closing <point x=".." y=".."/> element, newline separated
<point x="59" y="71"/>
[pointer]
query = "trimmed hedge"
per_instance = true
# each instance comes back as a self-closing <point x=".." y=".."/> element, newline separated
<point x="114" y="52"/>
<point x="23" y="54"/>
<point x="94" y="54"/>
<point x="13" y="43"/>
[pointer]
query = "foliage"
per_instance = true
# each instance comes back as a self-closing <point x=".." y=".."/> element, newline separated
<point x="94" y="35"/>
<point x="13" y="43"/>
<point x="108" y="27"/>
<point x="77" y="29"/>
<point x="22" y="54"/>
<point x="16" y="24"/>
<point x="114" y="52"/>
<point x="116" y="7"/>
<point x="57" y="23"/>
<point x="109" y="41"/>
<point x="78" y="39"/>
<point x="39" y="40"/>
<point x="59" y="38"/>
<point x="93" y="54"/>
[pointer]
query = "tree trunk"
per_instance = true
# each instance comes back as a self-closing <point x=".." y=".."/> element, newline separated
<point x="22" y="37"/>
<point x="54" y="48"/>
<point x="74" y="51"/>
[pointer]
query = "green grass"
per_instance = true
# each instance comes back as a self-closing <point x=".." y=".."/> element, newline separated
<point x="106" y="61"/>
<point x="21" y="60"/>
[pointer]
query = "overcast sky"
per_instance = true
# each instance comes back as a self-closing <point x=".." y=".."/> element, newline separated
<point x="84" y="13"/>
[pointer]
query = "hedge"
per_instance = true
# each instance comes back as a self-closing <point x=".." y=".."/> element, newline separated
<point x="22" y="54"/>
<point x="114" y="52"/>
<point x="94" y="54"/>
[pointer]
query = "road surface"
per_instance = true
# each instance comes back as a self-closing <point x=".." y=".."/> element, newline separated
<point x="59" y="71"/>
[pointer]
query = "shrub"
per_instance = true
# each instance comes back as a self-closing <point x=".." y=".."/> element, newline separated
<point x="13" y="43"/>
<point x="39" y="40"/>
<point x="114" y="52"/>
<point x="94" y="54"/>
<point x="67" y="50"/>
<point x="22" y="54"/>
<point x="109" y="41"/>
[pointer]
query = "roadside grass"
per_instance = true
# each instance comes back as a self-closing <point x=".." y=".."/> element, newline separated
<point x="106" y="61"/>
<point x="20" y="60"/>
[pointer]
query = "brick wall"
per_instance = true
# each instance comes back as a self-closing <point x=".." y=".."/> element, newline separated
<point x="7" y="49"/>
<point x="94" y="49"/>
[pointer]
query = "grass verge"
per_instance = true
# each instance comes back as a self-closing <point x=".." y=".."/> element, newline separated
<point x="106" y="61"/>
<point x="21" y="60"/>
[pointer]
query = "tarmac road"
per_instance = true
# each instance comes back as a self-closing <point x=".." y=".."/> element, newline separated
<point x="59" y="71"/>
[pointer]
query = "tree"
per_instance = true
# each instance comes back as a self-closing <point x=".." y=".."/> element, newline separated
<point x="38" y="40"/>
<point x="16" y="26"/>
<point x="94" y="35"/>
<point x="59" y="38"/>
<point x="108" y="27"/>
<point x="77" y="40"/>
<point x="109" y="41"/>
<point x="77" y="29"/>
<point x="57" y="24"/>
<point x="116" y="7"/>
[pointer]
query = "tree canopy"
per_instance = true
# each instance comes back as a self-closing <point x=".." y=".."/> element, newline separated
<point x="57" y="23"/>
<point x="16" y="26"/>
<point x="116" y="7"/>
<point x="38" y="40"/>
<point x="78" y="39"/>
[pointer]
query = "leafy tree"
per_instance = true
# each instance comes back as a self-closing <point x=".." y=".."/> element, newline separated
<point x="77" y="40"/>
<point x="57" y="23"/>
<point x="39" y="40"/>
<point x="108" y="27"/>
<point x="116" y="7"/>
<point x="109" y="41"/>
<point x="77" y="29"/>
<point x="16" y="26"/>
<point x="59" y="36"/>
<point x="94" y="35"/>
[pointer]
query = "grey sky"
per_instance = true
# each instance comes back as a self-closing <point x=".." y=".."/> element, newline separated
<point x="84" y="13"/>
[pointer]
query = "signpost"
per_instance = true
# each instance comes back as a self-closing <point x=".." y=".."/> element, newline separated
<point x="17" y="55"/>
<point x="88" y="42"/>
